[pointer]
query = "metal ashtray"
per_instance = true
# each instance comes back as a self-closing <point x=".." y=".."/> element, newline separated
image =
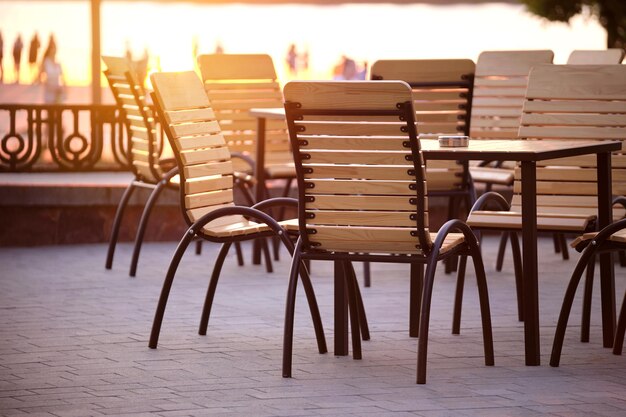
<point x="453" y="141"/>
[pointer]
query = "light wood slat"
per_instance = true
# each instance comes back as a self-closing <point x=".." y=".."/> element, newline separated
<point x="332" y="202"/>
<point x="494" y="134"/>
<point x="140" y="134"/>
<point x="357" y="95"/>
<point x="204" y="141"/>
<point x="617" y="161"/>
<point x="503" y="92"/>
<point x="243" y="84"/>
<point x="456" y="96"/>
<point x="137" y="123"/>
<point x="424" y="70"/>
<point x="582" y="106"/>
<point x="203" y="185"/>
<point x="497" y="102"/>
<point x="509" y="220"/>
<point x="491" y="123"/>
<point x="618" y="212"/>
<point x="361" y="157"/>
<point x="132" y="111"/>
<point x="139" y="144"/>
<point x="197" y="213"/>
<point x="560" y="201"/>
<point x="373" y="235"/>
<point x="220" y="168"/>
<point x="586" y="132"/>
<point x="350" y="129"/>
<point x="367" y="247"/>
<point x="180" y="90"/>
<point x="492" y="175"/>
<point x="364" y="187"/>
<point x="501" y="112"/>
<point x="575" y="119"/>
<point x="245" y="105"/>
<point x="352" y="143"/>
<point x="380" y="172"/>
<point x="454" y="165"/>
<point x="336" y="118"/>
<point x="486" y="82"/>
<point x="205" y="155"/>
<point x="596" y="57"/>
<point x="565" y="188"/>
<point x="201" y="128"/>
<point x="583" y="82"/>
<point x="236" y="66"/>
<point x="455" y="117"/>
<point x="251" y="124"/>
<point x="189" y="115"/>
<point x="443" y="180"/>
<point x="448" y="128"/>
<point x="572" y="174"/>
<point x="453" y="106"/>
<point x="511" y="63"/>
<point x="218" y="96"/>
<point x="208" y="199"/>
<point x="363" y="218"/>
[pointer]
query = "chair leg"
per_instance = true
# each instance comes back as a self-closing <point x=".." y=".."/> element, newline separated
<point x="142" y="226"/>
<point x="501" y="250"/>
<point x="281" y="216"/>
<point x="313" y="308"/>
<point x="620" y="330"/>
<point x="415" y="298"/>
<point x="210" y="294"/>
<point x="564" y="250"/>
<point x="354" y="311"/>
<point x="586" y="313"/>
<point x="115" y="229"/>
<point x="568" y="300"/>
<point x="167" y="285"/>
<point x="266" y="255"/>
<point x="289" y="311"/>
<point x="198" y="247"/>
<point x="557" y="242"/>
<point x="519" y="274"/>
<point x="483" y="295"/>
<point x="367" y="274"/>
<point x="458" y="296"/>
<point x="422" y="344"/>
<point x="365" y="331"/>
<point x="622" y="258"/>
<point x="239" y="252"/>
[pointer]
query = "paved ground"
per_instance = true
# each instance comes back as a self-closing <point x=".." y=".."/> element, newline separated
<point x="73" y="342"/>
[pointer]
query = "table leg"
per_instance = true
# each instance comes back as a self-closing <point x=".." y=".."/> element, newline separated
<point x="607" y="278"/>
<point x="341" y="311"/>
<point x="259" y="174"/>
<point x="530" y="268"/>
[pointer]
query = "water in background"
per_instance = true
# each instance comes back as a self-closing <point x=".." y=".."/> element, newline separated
<point x="364" y="32"/>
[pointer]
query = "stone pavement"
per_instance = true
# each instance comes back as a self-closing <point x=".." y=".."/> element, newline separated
<point x="73" y="342"/>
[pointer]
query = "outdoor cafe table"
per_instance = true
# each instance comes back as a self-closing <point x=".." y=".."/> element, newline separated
<point x="528" y="153"/>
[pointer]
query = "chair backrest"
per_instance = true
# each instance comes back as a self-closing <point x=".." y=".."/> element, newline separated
<point x="499" y="90"/>
<point x="201" y="153"/>
<point x="360" y="170"/>
<point x="237" y="83"/>
<point x="575" y="102"/>
<point x="130" y="96"/>
<point x="596" y="57"/>
<point x="442" y="97"/>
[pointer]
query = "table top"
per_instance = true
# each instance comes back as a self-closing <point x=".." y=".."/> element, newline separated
<point x="493" y="149"/>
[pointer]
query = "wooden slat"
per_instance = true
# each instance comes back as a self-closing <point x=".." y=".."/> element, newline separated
<point x="574" y="119"/>
<point x="360" y="157"/>
<point x="491" y="81"/>
<point x="236" y="66"/>
<point x="457" y="96"/>
<point x="501" y="112"/>
<point x="596" y="57"/>
<point x="380" y="172"/>
<point x="205" y="155"/>
<point x="424" y="70"/>
<point x="208" y="199"/>
<point x="363" y="218"/>
<point x="180" y="90"/>
<point x="364" y="187"/>
<point x="580" y="132"/>
<point x="189" y="129"/>
<point x="217" y="96"/>
<point x="574" y="173"/>
<point x="484" y="100"/>
<point x="352" y="143"/>
<point x="332" y="202"/>
<point x="511" y="63"/>
<point x="440" y="128"/>
<point x="139" y="144"/>
<point x="510" y="220"/>
<point x="220" y="168"/>
<point x="494" y="134"/>
<point x="577" y="82"/>
<point x="564" y="188"/>
<point x="242" y="84"/>
<point x="250" y="124"/>
<point x="245" y="105"/>
<point x="582" y="106"/>
<point x="208" y="184"/>
<point x="492" y="123"/>
<point x="349" y="129"/>
<point x="203" y="141"/>
<point x="331" y="244"/>
<point x="189" y="115"/>
<point x="617" y="161"/>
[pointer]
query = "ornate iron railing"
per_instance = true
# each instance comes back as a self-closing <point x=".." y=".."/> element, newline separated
<point x="62" y="138"/>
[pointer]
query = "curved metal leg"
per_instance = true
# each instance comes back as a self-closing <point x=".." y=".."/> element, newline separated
<point x="620" y="330"/>
<point x="519" y="275"/>
<point x="289" y="311"/>
<point x="365" y="331"/>
<point x="568" y="300"/>
<point x="622" y="258"/>
<point x="422" y="345"/>
<point x="198" y="247"/>
<point x="483" y="295"/>
<point x="313" y="308"/>
<point x="115" y="229"/>
<point x="557" y="242"/>
<point x="501" y="250"/>
<point x="167" y="285"/>
<point x="210" y="294"/>
<point x="458" y="296"/>
<point x="266" y="254"/>
<point x="415" y="297"/>
<point x="239" y="252"/>
<point x="367" y="274"/>
<point x="353" y="308"/>
<point x="142" y="226"/>
<point x="585" y="323"/>
<point x="563" y="244"/>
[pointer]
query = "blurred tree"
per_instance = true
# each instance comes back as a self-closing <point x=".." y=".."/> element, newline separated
<point x="610" y="13"/>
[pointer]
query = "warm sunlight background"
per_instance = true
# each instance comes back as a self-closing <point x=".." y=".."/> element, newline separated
<point x="365" y="32"/>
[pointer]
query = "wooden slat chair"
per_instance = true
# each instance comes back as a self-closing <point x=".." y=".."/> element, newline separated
<point x="235" y="84"/>
<point x="206" y="189"/>
<point x="442" y="97"/>
<point x="144" y="151"/>
<point x="610" y="239"/>
<point x="596" y="57"/>
<point x="573" y="102"/>
<point x="362" y="192"/>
